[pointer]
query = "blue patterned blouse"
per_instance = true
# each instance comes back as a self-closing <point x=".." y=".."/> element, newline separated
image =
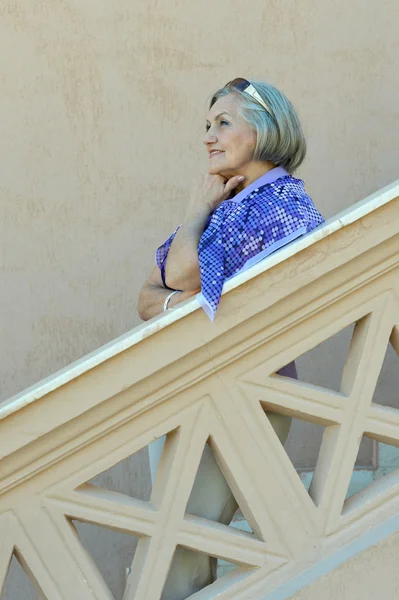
<point x="268" y="214"/>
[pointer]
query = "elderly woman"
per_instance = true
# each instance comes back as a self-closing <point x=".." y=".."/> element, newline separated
<point x="247" y="206"/>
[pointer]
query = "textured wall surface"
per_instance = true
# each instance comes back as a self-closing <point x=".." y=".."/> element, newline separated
<point x="359" y="578"/>
<point x="102" y="113"/>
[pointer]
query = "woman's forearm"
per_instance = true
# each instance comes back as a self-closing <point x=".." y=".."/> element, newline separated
<point x="182" y="270"/>
<point x="182" y="266"/>
<point x="152" y="298"/>
<point x="151" y="301"/>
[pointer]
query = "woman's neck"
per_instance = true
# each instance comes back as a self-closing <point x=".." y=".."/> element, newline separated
<point x="253" y="171"/>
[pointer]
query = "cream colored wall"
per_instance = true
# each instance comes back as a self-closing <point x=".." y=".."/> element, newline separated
<point x="369" y="575"/>
<point x="101" y="113"/>
<point x="102" y="107"/>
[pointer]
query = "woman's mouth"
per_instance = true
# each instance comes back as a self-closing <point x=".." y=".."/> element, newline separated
<point x="214" y="153"/>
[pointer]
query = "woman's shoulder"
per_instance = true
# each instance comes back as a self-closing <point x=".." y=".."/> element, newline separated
<point x="282" y="199"/>
<point x="285" y="195"/>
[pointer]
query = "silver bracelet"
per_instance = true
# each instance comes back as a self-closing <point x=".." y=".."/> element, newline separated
<point x="168" y="297"/>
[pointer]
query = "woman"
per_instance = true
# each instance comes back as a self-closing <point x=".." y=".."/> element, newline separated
<point x="247" y="206"/>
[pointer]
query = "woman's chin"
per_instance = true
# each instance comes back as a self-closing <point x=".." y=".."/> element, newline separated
<point x="214" y="170"/>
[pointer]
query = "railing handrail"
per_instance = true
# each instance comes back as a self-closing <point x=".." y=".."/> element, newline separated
<point x="215" y="387"/>
<point x="345" y="218"/>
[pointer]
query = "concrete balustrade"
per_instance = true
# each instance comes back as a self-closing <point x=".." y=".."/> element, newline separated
<point x="201" y="383"/>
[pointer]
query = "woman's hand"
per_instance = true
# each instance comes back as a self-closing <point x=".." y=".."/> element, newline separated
<point x="208" y="191"/>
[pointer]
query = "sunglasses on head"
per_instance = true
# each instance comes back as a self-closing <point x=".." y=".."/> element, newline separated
<point x="243" y="85"/>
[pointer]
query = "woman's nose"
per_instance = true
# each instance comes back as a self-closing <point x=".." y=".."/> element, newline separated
<point x="210" y="138"/>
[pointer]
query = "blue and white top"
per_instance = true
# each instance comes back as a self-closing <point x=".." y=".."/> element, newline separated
<point x="263" y="217"/>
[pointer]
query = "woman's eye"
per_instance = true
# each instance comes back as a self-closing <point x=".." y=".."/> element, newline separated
<point x="223" y="122"/>
<point x="207" y="127"/>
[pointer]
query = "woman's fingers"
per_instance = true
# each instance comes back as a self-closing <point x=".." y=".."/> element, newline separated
<point x="207" y="191"/>
<point x="210" y="190"/>
<point x="232" y="183"/>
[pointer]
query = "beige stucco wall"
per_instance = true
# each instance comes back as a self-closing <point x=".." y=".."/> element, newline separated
<point x="369" y="575"/>
<point x="101" y="114"/>
<point x="102" y="110"/>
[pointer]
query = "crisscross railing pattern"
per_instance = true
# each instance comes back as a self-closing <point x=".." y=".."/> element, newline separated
<point x="200" y="383"/>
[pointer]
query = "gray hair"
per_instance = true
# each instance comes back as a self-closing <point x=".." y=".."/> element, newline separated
<point x="279" y="135"/>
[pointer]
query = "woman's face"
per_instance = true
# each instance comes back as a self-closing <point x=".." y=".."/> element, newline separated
<point x="229" y="139"/>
